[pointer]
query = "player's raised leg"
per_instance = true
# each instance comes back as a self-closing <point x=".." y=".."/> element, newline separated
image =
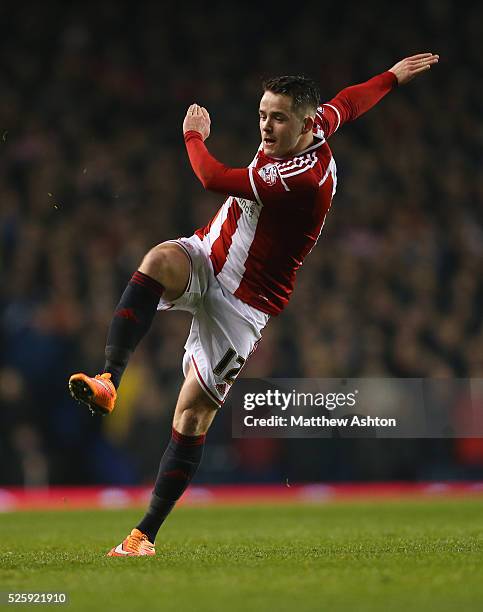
<point x="164" y="272"/>
<point x="193" y="416"/>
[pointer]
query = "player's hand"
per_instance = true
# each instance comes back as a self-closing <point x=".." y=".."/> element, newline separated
<point x="409" y="67"/>
<point x="197" y="119"/>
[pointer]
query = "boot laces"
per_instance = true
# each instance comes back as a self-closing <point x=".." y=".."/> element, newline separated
<point x="134" y="542"/>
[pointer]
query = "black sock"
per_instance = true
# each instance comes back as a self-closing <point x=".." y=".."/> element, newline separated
<point x="132" y="319"/>
<point x="178" y="466"/>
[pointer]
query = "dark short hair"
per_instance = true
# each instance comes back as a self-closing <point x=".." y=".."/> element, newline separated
<point x="304" y="91"/>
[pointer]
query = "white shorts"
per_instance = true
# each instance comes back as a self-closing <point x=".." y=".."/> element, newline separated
<point x="224" y="330"/>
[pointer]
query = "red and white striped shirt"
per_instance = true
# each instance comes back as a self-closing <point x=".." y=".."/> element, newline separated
<point x="276" y="208"/>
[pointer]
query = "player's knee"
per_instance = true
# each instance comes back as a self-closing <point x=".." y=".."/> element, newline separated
<point x="156" y="262"/>
<point x="168" y="265"/>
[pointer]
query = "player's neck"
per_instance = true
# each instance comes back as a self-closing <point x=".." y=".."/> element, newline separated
<point x="304" y="143"/>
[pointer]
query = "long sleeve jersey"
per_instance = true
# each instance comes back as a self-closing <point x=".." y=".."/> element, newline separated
<point x="275" y="209"/>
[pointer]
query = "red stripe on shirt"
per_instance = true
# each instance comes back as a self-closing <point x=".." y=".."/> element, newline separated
<point x="204" y="231"/>
<point x="221" y="246"/>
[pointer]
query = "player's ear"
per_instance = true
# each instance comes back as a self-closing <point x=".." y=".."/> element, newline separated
<point x="308" y="125"/>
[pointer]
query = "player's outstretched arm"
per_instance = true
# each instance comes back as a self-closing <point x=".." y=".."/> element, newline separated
<point x="409" y="67"/>
<point x="354" y="101"/>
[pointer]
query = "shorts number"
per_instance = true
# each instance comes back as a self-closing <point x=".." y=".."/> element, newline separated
<point x="224" y="362"/>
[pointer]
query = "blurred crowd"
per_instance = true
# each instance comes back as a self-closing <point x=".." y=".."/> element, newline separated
<point x="93" y="173"/>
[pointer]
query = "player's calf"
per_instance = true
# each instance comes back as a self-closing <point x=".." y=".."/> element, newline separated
<point x="193" y="416"/>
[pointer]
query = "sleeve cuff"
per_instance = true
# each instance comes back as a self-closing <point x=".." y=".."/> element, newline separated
<point x="192" y="134"/>
<point x="391" y="79"/>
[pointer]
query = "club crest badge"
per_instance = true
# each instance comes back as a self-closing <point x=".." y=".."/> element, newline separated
<point x="269" y="174"/>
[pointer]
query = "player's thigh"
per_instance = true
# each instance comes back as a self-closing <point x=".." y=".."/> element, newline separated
<point x="169" y="264"/>
<point x="223" y="335"/>
<point x="194" y="411"/>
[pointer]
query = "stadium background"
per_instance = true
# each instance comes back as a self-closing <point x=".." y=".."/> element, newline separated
<point x="93" y="172"/>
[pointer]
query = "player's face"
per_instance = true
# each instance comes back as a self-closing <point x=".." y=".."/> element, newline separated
<point x="280" y="127"/>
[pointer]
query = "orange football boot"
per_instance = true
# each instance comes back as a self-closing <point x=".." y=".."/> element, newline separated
<point x="98" y="393"/>
<point x="135" y="545"/>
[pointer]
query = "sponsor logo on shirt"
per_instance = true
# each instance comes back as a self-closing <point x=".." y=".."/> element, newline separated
<point x="248" y="206"/>
<point x="269" y="174"/>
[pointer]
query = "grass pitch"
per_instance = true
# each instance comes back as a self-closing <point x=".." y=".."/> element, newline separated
<point x="347" y="556"/>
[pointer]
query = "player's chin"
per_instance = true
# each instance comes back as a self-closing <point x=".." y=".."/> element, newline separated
<point x="271" y="148"/>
